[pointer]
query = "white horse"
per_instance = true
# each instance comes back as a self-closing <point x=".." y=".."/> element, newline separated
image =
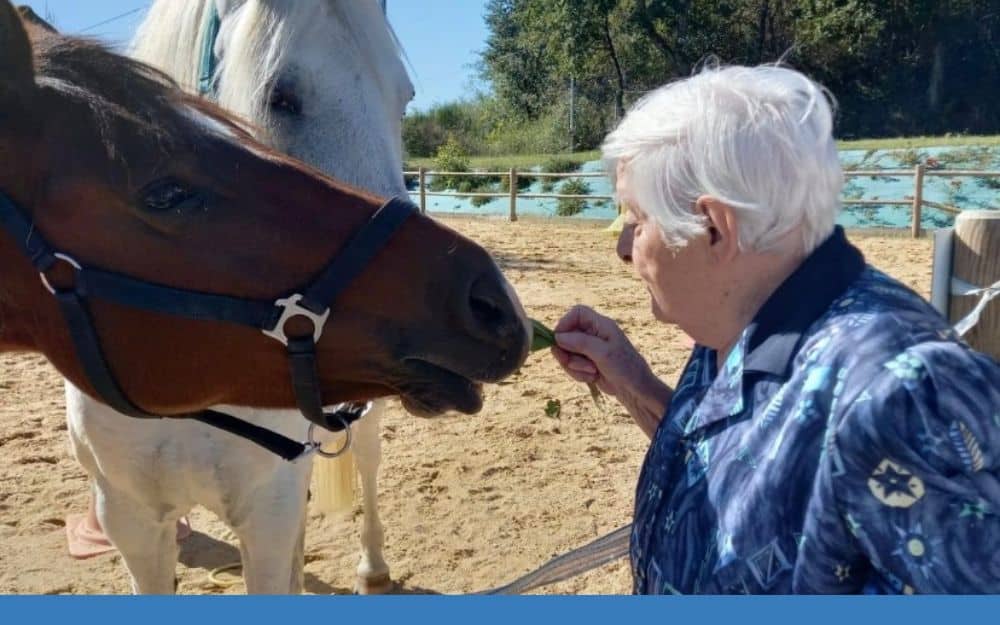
<point x="322" y="81"/>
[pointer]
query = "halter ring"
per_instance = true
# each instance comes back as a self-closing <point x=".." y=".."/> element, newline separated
<point x="317" y="447"/>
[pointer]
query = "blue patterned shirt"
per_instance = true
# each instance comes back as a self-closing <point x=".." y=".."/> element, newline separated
<point x="849" y="443"/>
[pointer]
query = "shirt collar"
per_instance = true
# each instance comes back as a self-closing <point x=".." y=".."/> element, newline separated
<point x="775" y="334"/>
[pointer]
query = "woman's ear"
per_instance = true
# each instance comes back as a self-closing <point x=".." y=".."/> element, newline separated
<point x="17" y="74"/>
<point x="723" y="227"/>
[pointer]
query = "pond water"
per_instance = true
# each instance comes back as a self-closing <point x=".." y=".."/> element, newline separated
<point x="964" y="192"/>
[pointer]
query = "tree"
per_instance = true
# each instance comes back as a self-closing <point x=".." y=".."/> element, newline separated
<point x="895" y="66"/>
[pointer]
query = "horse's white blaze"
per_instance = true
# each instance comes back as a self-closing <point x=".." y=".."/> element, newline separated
<point x="343" y="63"/>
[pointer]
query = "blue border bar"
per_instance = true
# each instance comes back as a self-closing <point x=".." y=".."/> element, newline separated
<point x="467" y="610"/>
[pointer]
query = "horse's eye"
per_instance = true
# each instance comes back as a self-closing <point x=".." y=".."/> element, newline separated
<point x="285" y="100"/>
<point x="169" y="195"/>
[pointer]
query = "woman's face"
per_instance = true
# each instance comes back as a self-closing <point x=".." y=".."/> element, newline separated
<point x="676" y="277"/>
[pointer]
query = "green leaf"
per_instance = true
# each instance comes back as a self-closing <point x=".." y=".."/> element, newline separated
<point x="542" y="337"/>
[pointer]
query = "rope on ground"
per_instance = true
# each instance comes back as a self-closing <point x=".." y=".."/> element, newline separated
<point x="213" y="575"/>
<point x="606" y="549"/>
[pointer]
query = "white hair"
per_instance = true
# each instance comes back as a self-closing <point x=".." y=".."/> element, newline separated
<point x="759" y="139"/>
<point x="170" y="39"/>
<point x="260" y="33"/>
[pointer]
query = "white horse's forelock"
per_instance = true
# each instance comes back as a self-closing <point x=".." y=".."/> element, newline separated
<point x="259" y="33"/>
<point x="170" y="39"/>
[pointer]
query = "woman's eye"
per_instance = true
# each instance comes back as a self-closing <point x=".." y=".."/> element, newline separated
<point x="169" y="195"/>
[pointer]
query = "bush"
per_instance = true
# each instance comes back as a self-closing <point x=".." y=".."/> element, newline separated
<point x="911" y="157"/>
<point x="557" y="165"/>
<point x="450" y="157"/>
<point x="560" y="165"/>
<point x="523" y="182"/>
<point x="424" y="132"/>
<point x="481" y="201"/>
<point x="538" y="136"/>
<point x="976" y="157"/>
<point x="567" y="207"/>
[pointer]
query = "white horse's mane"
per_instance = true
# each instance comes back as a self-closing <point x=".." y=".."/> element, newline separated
<point x="170" y="39"/>
<point x="172" y="34"/>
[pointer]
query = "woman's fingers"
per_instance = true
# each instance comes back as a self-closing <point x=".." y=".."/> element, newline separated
<point x="581" y="365"/>
<point x="593" y="347"/>
<point x="577" y="367"/>
<point x="571" y="320"/>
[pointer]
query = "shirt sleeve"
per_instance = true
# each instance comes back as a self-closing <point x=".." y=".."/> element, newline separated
<point x="907" y="498"/>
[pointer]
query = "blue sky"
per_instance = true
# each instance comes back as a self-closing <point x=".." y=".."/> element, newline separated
<point x="441" y="37"/>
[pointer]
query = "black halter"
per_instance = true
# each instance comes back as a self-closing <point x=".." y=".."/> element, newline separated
<point x="313" y="303"/>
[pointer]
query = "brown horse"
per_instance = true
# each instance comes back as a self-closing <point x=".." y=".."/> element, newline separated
<point x="114" y="166"/>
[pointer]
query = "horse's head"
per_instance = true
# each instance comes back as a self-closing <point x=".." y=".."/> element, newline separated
<point x="316" y="79"/>
<point x="115" y="167"/>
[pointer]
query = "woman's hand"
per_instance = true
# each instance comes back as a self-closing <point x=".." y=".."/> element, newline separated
<point x="592" y="348"/>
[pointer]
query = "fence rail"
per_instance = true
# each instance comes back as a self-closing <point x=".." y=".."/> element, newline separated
<point x="917" y="202"/>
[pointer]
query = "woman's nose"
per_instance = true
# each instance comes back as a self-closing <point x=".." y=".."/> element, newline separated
<point x="624" y="247"/>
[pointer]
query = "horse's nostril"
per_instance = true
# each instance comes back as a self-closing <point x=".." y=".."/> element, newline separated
<point x="489" y="310"/>
<point x="486" y="309"/>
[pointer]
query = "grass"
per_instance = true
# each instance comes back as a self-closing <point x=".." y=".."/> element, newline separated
<point x="518" y="161"/>
<point x="528" y="161"/>
<point x="899" y="143"/>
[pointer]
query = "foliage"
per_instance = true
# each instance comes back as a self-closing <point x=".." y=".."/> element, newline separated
<point x="450" y="158"/>
<point x="911" y="157"/>
<point x="569" y="207"/>
<point x="560" y="165"/>
<point x="896" y="68"/>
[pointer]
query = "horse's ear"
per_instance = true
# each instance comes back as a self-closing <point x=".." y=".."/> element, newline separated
<point x="29" y="16"/>
<point x="16" y="69"/>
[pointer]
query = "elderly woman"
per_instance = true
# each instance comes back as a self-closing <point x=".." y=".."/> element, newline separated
<point x="830" y="433"/>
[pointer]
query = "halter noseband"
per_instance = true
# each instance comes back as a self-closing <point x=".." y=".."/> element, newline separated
<point x="312" y="303"/>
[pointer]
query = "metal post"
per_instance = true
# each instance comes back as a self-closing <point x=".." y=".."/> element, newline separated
<point x="918" y="198"/>
<point x="572" y="120"/>
<point x="422" y="181"/>
<point x="513" y="194"/>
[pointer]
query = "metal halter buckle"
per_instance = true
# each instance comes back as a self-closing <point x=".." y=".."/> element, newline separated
<point x="291" y="308"/>
<point x="66" y="259"/>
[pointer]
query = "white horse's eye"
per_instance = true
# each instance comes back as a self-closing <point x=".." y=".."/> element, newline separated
<point x="285" y="100"/>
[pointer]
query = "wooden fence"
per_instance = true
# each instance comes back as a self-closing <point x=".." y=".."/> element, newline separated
<point x="916" y="202"/>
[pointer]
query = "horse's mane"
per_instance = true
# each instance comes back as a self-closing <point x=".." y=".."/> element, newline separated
<point x="119" y="89"/>
<point x="171" y="38"/>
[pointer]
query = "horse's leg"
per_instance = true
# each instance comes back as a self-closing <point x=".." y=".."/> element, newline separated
<point x="148" y="545"/>
<point x="272" y="533"/>
<point x="373" y="572"/>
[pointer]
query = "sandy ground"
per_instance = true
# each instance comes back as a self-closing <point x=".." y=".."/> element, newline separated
<point x="468" y="502"/>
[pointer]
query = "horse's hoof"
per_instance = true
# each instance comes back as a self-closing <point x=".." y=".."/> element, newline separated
<point x="378" y="585"/>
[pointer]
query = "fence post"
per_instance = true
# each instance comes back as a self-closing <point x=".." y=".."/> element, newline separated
<point x="422" y="181"/>
<point x="513" y="194"/>
<point x="975" y="261"/>
<point x="918" y="198"/>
